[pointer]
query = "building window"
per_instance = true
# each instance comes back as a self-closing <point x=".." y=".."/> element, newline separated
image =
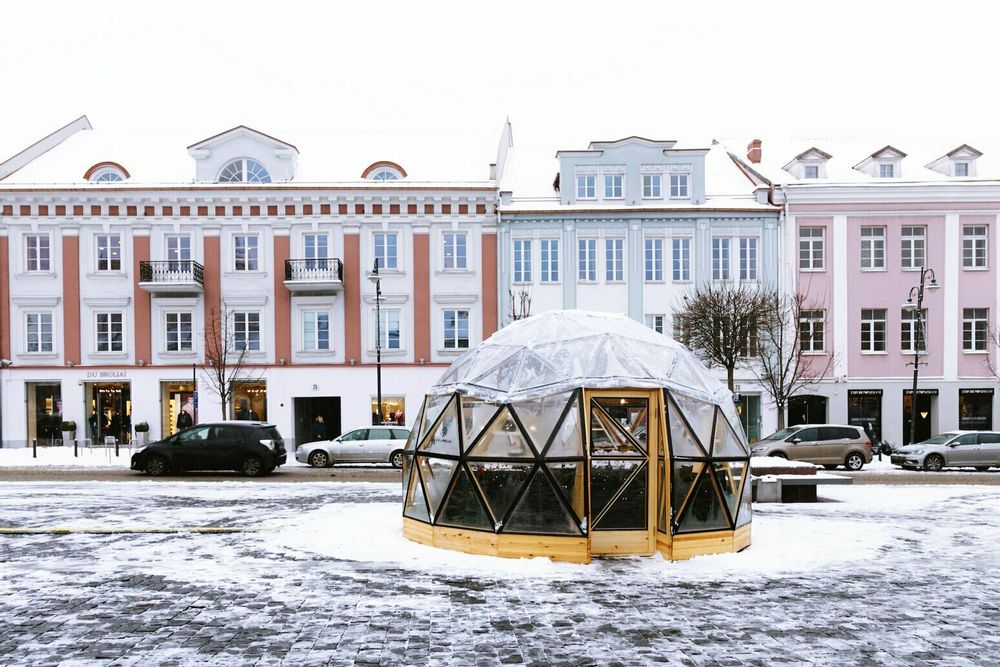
<point x="386" y="250"/>
<point x="109" y="252"/>
<point x="680" y="329"/>
<point x="657" y="323"/>
<point x="654" y="260"/>
<point x="179" y="252"/>
<point x="750" y="346"/>
<point x="38" y="332"/>
<point x="651" y="186"/>
<point x="522" y="260"/>
<point x="811" y="331"/>
<point x="812" y="171"/>
<point x="107" y="175"/>
<point x="912" y="334"/>
<point x="975" y="328"/>
<point x="811" y="248"/>
<point x="455" y="250"/>
<point x="179" y="336"/>
<point x="961" y="168"/>
<point x="246" y="332"/>
<point x="872" y="248"/>
<point x="245" y="253"/>
<point x="678" y="186"/>
<point x="315" y="330"/>
<point x="614" y="260"/>
<point x="614" y="186"/>
<point x="886" y="170"/>
<point x="110" y="332"/>
<point x="37" y="253"/>
<point x="914" y="247"/>
<point x="720" y="259"/>
<point x="456" y="329"/>
<point x="586" y="187"/>
<point x="388" y="329"/>
<point x="681" y="259"/>
<point x="244" y="170"/>
<point x="873" y="330"/>
<point x="748" y="259"/>
<point x="316" y="251"/>
<point x="549" y="252"/>
<point x="587" y="260"/>
<point x="974" y="246"/>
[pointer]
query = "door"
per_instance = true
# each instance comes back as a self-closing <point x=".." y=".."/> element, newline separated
<point x="989" y="444"/>
<point x="378" y="446"/>
<point x="964" y="450"/>
<point x="192" y="449"/>
<point x="804" y="445"/>
<point x="806" y="410"/>
<point x="226" y="445"/>
<point x="834" y="442"/>
<point x="622" y="436"/>
<point x="349" y="447"/>
<point x="924" y="415"/>
<point x="749" y="409"/>
<point x="307" y="410"/>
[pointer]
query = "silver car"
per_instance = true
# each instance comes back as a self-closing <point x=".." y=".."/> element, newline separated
<point x="954" y="449"/>
<point x="830" y="445"/>
<point x="378" y="444"/>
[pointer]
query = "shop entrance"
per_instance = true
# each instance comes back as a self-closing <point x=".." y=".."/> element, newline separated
<point x="975" y="409"/>
<point x="44" y="401"/>
<point x="176" y="407"/>
<point x="307" y="409"/>
<point x="622" y="444"/>
<point x="925" y="414"/>
<point x="806" y="410"/>
<point x="864" y="409"/>
<point x="109" y="411"/>
<point x="749" y="409"/>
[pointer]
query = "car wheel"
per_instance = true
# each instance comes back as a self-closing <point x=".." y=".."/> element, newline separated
<point x="319" y="459"/>
<point x="934" y="463"/>
<point x="396" y="459"/>
<point x="252" y="467"/>
<point x="854" y="461"/>
<point x="830" y="466"/>
<point x="157" y="466"/>
<point x="779" y="455"/>
<point x="982" y="468"/>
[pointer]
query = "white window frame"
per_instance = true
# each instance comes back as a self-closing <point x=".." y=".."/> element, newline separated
<point x="320" y="242"/>
<point x="964" y="165"/>
<point x="721" y="258"/>
<point x="181" y="248"/>
<point x="249" y="257"/>
<point x="614" y="260"/>
<point x="247" y="316"/>
<point x="678" y="331"/>
<point x="872" y="246"/>
<point x="975" y="330"/>
<point x="521" y="261"/>
<point x="813" y="323"/>
<point x="166" y="331"/>
<point x="548" y="257"/>
<point x="454" y="345"/>
<point x="749" y="259"/>
<point x="454" y="251"/>
<point x="883" y="166"/>
<point x="38" y="258"/>
<point x="680" y="185"/>
<point x="586" y="255"/>
<point x="304" y="331"/>
<point x="653" y="259"/>
<point x="110" y="237"/>
<point x="614" y="186"/>
<point x="680" y="259"/>
<point x="110" y="314"/>
<point x="652" y="186"/>
<point x="387" y="314"/>
<point x="386" y="261"/>
<point x="811" y="242"/>
<point x="912" y="323"/>
<point x="911" y="242"/>
<point x="39" y="338"/>
<point x="810" y="171"/>
<point x="586" y="183"/>
<point x="869" y="329"/>
<point x="975" y="247"/>
<point x="657" y="322"/>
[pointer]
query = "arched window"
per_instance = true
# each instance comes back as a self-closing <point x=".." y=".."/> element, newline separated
<point x="107" y="176"/>
<point x="383" y="171"/>
<point x="106" y="172"/>
<point x="244" y="170"/>
<point x="384" y="175"/>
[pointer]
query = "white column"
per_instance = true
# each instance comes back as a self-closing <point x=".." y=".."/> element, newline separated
<point x="952" y="320"/>
<point x="838" y="263"/>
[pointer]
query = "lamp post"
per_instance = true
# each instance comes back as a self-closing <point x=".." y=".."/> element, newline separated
<point x="917" y="292"/>
<point x="375" y="278"/>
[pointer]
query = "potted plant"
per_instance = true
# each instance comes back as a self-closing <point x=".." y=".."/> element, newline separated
<point x="141" y="433"/>
<point x="68" y="429"/>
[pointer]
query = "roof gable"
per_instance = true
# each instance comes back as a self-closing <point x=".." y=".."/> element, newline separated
<point x="241" y="131"/>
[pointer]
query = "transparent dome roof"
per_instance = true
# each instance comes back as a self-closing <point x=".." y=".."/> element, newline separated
<point x="559" y="350"/>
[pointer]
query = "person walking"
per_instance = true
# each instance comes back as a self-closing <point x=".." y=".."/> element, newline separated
<point x="319" y="429"/>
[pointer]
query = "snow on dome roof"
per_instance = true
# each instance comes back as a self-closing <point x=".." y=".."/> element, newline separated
<point x="559" y="350"/>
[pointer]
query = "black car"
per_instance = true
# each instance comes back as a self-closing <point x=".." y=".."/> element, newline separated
<point x="252" y="448"/>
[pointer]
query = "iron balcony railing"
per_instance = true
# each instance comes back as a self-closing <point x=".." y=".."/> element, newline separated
<point x="172" y="271"/>
<point x="314" y="270"/>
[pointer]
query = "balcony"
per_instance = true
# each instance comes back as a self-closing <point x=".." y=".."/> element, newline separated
<point x="314" y="276"/>
<point x="180" y="276"/>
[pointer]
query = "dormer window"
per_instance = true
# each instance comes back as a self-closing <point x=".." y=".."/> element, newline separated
<point x="883" y="163"/>
<point x="384" y="175"/>
<point x="811" y="171"/>
<point x="886" y="170"/>
<point x="810" y="164"/>
<point x="244" y="170"/>
<point x="106" y="172"/>
<point x="614" y="186"/>
<point x="960" y="162"/>
<point x="679" y="186"/>
<point x="383" y="171"/>
<point x="961" y="168"/>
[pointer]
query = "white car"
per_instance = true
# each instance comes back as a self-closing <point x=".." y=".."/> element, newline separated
<point x="378" y="444"/>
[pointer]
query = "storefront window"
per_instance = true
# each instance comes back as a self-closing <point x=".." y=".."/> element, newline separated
<point x="864" y="409"/>
<point x="44" y="411"/>
<point x="178" y="411"/>
<point x="975" y="409"/>
<point x="109" y="411"/>
<point x="250" y="401"/>
<point x="393" y="410"/>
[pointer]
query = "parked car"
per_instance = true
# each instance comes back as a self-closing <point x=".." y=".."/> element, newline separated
<point x="252" y="448"/>
<point x="831" y="445"/>
<point x="954" y="449"/>
<point x="378" y="444"/>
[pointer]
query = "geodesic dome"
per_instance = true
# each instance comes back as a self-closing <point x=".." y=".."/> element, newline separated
<point x="570" y="423"/>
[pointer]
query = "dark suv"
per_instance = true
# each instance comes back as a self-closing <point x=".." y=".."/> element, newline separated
<point x="252" y="448"/>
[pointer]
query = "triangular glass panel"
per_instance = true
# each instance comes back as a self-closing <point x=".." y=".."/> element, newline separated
<point x="571" y="478"/>
<point x="500" y="483"/>
<point x="703" y="510"/>
<point x="729" y="476"/>
<point x="437" y="474"/>
<point x="539" y="416"/>
<point x="682" y="482"/>
<point x="726" y="443"/>
<point x="630" y="509"/>
<point x="432" y="410"/>
<point x="661" y="496"/>
<point x="607" y="477"/>
<point x="607" y="439"/>
<point x="503" y="439"/>
<point x="541" y="511"/>
<point x="462" y="509"/>
<point x="411" y="442"/>
<point x="476" y="415"/>
<point x="445" y="438"/>
<point x="746" y="510"/>
<point x="415" y="506"/>
<point x="700" y="415"/>
<point x="682" y="441"/>
<point x="631" y="415"/>
<point x="407" y="465"/>
<point x="568" y="437"/>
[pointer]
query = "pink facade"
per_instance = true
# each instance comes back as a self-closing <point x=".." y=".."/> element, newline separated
<point x="977" y="288"/>
<point x="817" y="286"/>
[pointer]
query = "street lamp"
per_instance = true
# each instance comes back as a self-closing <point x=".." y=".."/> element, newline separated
<point x="917" y="292"/>
<point x="377" y="279"/>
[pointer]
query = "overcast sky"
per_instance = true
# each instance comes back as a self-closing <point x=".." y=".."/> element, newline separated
<point x="564" y="73"/>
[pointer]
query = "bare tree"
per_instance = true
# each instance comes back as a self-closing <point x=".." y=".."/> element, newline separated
<point x="520" y="304"/>
<point x="224" y="367"/>
<point x="721" y="321"/>
<point x="784" y="366"/>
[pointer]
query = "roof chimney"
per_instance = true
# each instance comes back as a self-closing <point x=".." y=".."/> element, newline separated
<point x="753" y="151"/>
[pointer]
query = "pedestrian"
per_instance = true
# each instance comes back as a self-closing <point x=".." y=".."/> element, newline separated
<point x="184" y="420"/>
<point x="319" y="429"/>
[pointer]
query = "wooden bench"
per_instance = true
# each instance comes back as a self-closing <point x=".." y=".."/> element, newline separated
<point x="794" y="488"/>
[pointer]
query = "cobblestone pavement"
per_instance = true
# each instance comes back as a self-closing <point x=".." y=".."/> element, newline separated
<point x="183" y="598"/>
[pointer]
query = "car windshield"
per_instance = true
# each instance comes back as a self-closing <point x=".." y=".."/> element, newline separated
<point x="782" y="434"/>
<point x="938" y="439"/>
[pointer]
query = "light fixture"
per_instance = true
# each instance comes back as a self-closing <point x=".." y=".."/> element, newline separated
<point x="909" y="305"/>
<point x="933" y="284"/>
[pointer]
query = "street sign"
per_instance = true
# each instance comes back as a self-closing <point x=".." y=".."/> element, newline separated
<point x="195" y="400"/>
